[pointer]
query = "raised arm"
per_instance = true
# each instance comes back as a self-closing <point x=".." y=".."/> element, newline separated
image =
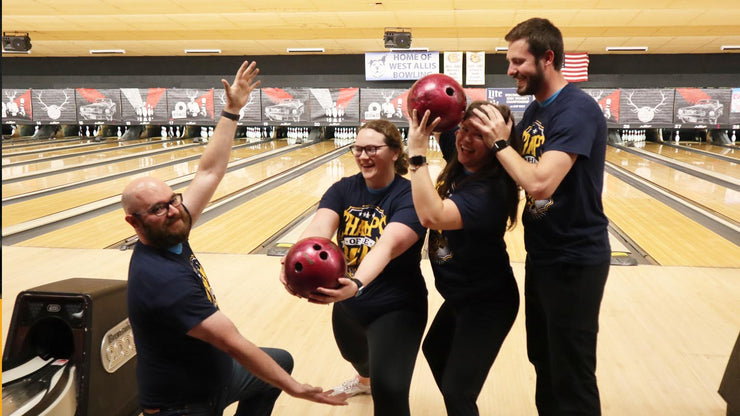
<point x="540" y="180"/>
<point x="212" y="166"/>
<point x="433" y="211"/>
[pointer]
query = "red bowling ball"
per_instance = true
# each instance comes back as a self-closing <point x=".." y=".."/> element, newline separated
<point x="313" y="262"/>
<point x="442" y="96"/>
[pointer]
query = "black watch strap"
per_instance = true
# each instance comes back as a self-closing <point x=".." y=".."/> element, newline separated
<point x="418" y="160"/>
<point x="359" y="284"/>
<point x="499" y="145"/>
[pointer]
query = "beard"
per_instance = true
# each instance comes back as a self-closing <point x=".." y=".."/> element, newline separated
<point x="534" y="82"/>
<point x="161" y="237"/>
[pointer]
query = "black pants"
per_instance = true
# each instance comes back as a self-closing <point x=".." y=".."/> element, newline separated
<point x="562" y="305"/>
<point x="255" y="397"/>
<point x="462" y="343"/>
<point x="384" y="349"/>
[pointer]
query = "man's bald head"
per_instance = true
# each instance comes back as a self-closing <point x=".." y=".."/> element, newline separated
<point x="142" y="192"/>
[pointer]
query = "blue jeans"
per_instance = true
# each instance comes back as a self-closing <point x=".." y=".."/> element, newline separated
<point x="255" y="397"/>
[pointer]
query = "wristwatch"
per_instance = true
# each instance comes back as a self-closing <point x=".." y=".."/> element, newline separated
<point x="499" y="145"/>
<point x="415" y="162"/>
<point x="359" y="284"/>
<point x="418" y="160"/>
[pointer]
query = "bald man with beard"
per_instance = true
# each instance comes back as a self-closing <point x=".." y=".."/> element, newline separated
<point x="192" y="360"/>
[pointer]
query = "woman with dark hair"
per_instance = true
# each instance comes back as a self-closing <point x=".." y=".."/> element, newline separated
<point x="380" y="310"/>
<point x="467" y="214"/>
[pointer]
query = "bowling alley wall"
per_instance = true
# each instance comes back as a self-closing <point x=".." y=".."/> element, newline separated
<point x="641" y="91"/>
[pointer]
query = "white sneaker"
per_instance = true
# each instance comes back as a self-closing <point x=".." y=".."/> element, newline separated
<point x="351" y="387"/>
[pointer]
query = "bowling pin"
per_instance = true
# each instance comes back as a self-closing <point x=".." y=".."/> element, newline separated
<point x="733" y="137"/>
<point x="163" y="132"/>
<point x="677" y="137"/>
<point x="118" y="133"/>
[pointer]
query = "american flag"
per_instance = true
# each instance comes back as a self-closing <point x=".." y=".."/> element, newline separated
<point x="575" y="67"/>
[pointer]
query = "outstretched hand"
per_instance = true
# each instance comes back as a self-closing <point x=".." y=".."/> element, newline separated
<point x="491" y="124"/>
<point x="237" y="93"/>
<point x="419" y="132"/>
<point x="315" y="394"/>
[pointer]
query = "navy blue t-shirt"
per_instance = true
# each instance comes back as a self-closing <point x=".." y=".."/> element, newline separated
<point x="169" y="294"/>
<point x="570" y="227"/>
<point x="363" y="215"/>
<point x="472" y="263"/>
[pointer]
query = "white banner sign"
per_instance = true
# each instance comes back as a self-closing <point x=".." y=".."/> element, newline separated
<point x="407" y="65"/>
<point x="453" y="65"/>
<point x="475" y="68"/>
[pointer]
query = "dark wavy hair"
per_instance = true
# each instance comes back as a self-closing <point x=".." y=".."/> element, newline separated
<point x="452" y="175"/>
<point x="542" y="36"/>
<point x="392" y="138"/>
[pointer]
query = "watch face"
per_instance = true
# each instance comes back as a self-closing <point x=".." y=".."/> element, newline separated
<point x="417" y="160"/>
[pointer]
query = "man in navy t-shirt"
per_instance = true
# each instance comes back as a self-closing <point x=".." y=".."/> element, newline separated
<point x="191" y="358"/>
<point x="561" y="168"/>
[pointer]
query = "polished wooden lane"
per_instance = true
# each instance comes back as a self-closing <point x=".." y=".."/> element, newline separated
<point x="713" y="196"/>
<point x="731" y="151"/>
<point x="666" y="235"/>
<point x="665" y="332"/>
<point x="38" y="153"/>
<point x="49" y="166"/>
<point x="698" y="160"/>
<point x="107" y="229"/>
<point x="244" y="228"/>
<point x="98" y="171"/>
<point x="29" y="141"/>
<point x="57" y="202"/>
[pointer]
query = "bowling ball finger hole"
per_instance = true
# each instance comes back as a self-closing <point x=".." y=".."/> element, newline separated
<point x="298" y="267"/>
<point x="324" y="255"/>
<point x="317" y="247"/>
<point x="450" y="91"/>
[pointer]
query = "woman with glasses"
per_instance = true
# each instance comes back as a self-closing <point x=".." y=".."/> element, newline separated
<point x="467" y="213"/>
<point x="380" y="309"/>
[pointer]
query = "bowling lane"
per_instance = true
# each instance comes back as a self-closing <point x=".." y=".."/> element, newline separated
<point x="99" y="171"/>
<point x="33" y="153"/>
<point x="48" y="166"/>
<point x="107" y="229"/>
<point x="46" y="146"/>
<point x="699" y="160"/>
<point x="720" y="150"/>
<point x="666" y="235"/>
<point x="28" y="141"/>
<point x="243" y="229"/>
<point x="715" y="197"/>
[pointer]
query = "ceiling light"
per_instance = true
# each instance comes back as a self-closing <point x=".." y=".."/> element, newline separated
<point x="202" y="50"/>
<point x="304" y="50"/>
<point x="501" y="49"/>
<point x="626" y="48"/>
<point x="107" y="51"/>
<point x="730" y="47"/>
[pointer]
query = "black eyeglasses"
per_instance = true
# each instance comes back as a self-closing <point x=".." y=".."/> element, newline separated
<point x="161" y="208"/>
<point x="370" y="150"/>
